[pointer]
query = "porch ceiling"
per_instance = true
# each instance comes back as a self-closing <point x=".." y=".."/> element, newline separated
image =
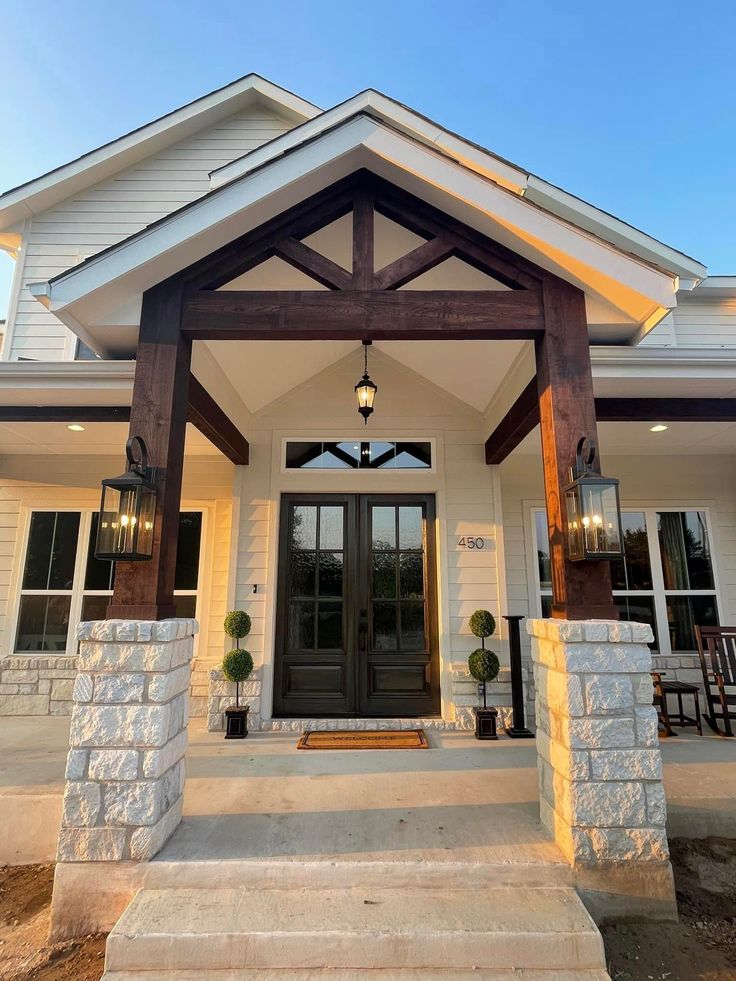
<point x="98" y="438"/>
<point x="636" y="439"/>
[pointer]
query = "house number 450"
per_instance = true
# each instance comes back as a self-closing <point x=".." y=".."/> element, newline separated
<point x="467" y="542"/>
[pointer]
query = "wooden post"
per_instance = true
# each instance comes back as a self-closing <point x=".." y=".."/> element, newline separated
<point x="580" y="590"/>
<point x="145" y="590"/>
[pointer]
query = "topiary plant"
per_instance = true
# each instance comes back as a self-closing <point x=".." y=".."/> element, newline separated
<point x="237" y="624"/>
<point x="237" y="666"/>
<point x="482" y="664"/>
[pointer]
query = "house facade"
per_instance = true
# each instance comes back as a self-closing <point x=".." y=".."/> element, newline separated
<point x="287" y="237"/>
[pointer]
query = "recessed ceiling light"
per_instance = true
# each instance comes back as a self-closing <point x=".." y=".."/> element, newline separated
<point x="76" y="428"/>
<point x="659" y="428"/>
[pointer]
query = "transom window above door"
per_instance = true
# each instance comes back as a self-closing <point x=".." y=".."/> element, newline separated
<point x="353" y="454"/>
<point x="62" y="582"/>
<point x="666" y="578"/>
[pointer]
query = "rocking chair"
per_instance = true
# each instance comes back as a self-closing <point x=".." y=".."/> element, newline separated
<point x="717" y="650"/>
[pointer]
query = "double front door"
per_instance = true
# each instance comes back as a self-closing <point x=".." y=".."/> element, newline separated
<point x="356" y="629"/>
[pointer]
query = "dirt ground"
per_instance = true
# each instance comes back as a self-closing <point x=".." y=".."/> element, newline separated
<point x="702" y="946"/>
<point x="25" y="903"/>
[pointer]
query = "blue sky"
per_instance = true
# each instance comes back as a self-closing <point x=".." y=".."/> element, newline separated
<point x="629" y="105"/>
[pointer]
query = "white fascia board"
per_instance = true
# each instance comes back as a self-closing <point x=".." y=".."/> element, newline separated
<point x="396" y="115"/>
<point x="670" y="362"/>
<point x="38" y="195"/>
<point x="618" y="232"/>
<point x="716" y="287"/>
<point x="628" y="283"/>
<point x="49" y="377"/>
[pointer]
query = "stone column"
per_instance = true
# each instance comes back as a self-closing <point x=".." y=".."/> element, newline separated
<point x="128" y="735"/>
<point x="600" y="769"/>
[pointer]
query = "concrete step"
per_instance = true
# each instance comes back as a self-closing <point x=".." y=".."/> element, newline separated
<point x="358" y="975"/>
<point x="507" y="928"/>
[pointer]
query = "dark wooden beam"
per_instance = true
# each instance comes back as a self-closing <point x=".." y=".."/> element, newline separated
<point x="145" y="590"/>
<point x="665" y="409"/>
<point x="363" y="242"/>
<point x="208" y="417"/>
<point x="64" y="413"/>
<point x="518" y="422"/>
<point x="580" y="590"/>
<point x="314" y="264"/>
<point x="363" y="315"/>
<point x="420" y="260"/>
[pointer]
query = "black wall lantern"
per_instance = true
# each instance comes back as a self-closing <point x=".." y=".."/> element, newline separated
<point x="593" y="509"/>
<point x="365" y="390"/>
<point x="128" y="509"/>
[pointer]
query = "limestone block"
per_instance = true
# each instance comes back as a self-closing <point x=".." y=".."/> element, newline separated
<point x="647" y="733"/>
<point x="643" y="689"/>
<point x="14" y="676"/>
<point x="81" y="804"/>
<point x="83" y="687"/>
<point x="119" y="688"/>
<point x="29" y="688"/>
<point x="62" y="689"/>
<point x="179" y="718"/>
<point x="591" y="658"/>
<point x="13" y="689"/>
<point x="97" y="657"/>
<point x="61" y="708"/>
<point x="620" y="632"/>
<point x="197" y="707"/>
<point x="610" y="804"/>
<point x="113" y="764"/>
<point x="608" y="693"/>
<point x="628" y="844"/>
<point x="135" y="803"/>
<point x="24" y="704"/>
<point x="626" y="764"/>
<point x="120" y="725"/>
<point x="162" y="687"/>
<point x="76" y="764"/>
<point x="92" y="844"/>
<point x="571" y="764"/>
<point x="563" y="693"/>
<point x="44" y="686"/>
<point x="68" y="673"/>
<point x="599" y="733"/>
<point x="641" y="633"/>
<point x="158" y="761"/>
<point x="558" y="630"/>
<point x="596" y="630"/>
<point x="656" y="804"/>
<point x="146" y="842"/>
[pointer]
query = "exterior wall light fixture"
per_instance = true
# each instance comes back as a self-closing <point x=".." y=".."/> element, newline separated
<point x="593" y="509"/>
<point x="128" y="509"/>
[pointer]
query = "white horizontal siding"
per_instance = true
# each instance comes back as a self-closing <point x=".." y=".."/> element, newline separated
<point x="109" y="212"/>
<point x="706" y="323"/>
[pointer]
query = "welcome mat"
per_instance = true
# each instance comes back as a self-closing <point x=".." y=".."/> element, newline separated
<point x="367" y="739"/>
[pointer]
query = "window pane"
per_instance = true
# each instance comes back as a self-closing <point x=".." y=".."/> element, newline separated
<point x="542" y="534"/>
<point x="683" y="540"/>
<point x="410" y="527"/>
<point x="38" y="554"/>
<point x="634" y="571"/>
<point x="383" y="523"/>
<point x="95" y="607"/>
<point x="52" y="549"/>
<point x="331" y="526"/>
<point x="99" y="574"/>
<point x="640" y="609"/>
<point x="329" y="627"/>
<point x="64" y="551"/>
<point x="43" y="623"/>
<point x="363" y="455"/>
<point x="546" y="606"/>
<point x="185" y="606"/>
<point x="685" y="611"/>
<point x="384" y="627"/>
<point x="304" y="526"/>
<point x="330" y="573"/>
<point x="187" y="550"/>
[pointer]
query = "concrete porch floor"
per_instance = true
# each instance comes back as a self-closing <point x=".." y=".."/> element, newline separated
<point x="461" y="801"/>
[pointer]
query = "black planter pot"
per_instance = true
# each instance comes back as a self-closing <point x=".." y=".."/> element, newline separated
<point x="236" y="723"/>
<point x="486" y="723"/>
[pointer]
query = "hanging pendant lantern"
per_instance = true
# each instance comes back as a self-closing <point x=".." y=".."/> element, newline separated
<point x="128" y="510"/>
<point x="593" y="510"/>
<point x="365" y="390"/>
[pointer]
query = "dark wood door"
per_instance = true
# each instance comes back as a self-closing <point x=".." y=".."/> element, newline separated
<point x="356" y="629"/>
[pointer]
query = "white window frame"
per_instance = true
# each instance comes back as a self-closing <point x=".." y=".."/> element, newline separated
<point x="658" y="591"/>
<point x="78" y="592"/>
<point x="360" y="439"/>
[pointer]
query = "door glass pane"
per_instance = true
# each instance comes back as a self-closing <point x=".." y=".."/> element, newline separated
<point x="331" y="527"/>
<point x="685" y="611"/>
<point x="412" y="575"/>
<point x="640" y="609"/>
<point x="304" y="526"/>
<point x="329" y="629"/>
<point x="384" y="627"/>
<point x="634" y="571"/>
<point x="330" y="573"/>
<point x="683" y="540"/>
<point x="383" y="527"/>
<point x="43" y="623"/>
<point x="542" y="536"/>
<point x="187" y="550"/>
<point x="412" y="626"/>
<point x="301" y="626"/>
<point x="303" y="569"/>
<point x="410" y="527"/>
<point x="384" y="575"/>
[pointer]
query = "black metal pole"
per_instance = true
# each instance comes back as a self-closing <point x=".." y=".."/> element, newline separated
<point x="518" y="729"/>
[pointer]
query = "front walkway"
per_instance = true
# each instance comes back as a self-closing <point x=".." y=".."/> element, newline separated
<point x="461" y="801"/>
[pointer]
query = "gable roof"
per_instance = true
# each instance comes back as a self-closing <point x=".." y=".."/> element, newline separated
<point x="49" y="189"/>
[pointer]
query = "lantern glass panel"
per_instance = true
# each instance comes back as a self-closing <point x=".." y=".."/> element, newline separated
<point x="365" y="393"/>
<point x="147" y="514"/>
<point x="574" y="524"/>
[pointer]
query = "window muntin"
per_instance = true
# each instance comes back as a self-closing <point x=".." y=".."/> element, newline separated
<point x="57" y="580"/>
<point x="666" y="578"/>
<point x="358" y="455"/>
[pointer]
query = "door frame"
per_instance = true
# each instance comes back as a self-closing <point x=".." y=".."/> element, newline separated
<point x="354" y="501"/>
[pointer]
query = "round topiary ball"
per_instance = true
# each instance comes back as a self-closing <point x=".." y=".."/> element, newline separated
<point x="237" y="624"/>
<point x="237" y="665"/>
<point x="482" y="623"/>
<point x="483" y="665"/>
